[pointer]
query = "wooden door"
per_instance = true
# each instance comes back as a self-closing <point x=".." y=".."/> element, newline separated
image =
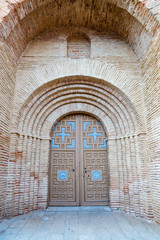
<point x="94" y="162"/>
<point x="64" y="167"/>
<point x="78" y="164"/>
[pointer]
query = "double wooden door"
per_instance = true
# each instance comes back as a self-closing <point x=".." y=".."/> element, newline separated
<point x="78" y="162"/>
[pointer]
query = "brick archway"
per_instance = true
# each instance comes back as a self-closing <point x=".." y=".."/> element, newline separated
<point x="30" y="145"/>
<point x="21" y="21"/>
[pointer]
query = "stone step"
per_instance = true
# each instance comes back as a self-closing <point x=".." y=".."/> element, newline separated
<point x="80" y="209"/>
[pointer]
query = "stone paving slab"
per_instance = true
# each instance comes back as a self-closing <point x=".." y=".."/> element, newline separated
<point x="78" y="223"/>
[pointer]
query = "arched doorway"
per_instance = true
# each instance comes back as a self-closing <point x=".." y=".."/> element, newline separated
<point x="78" y="162"/>
<point x="31" y="142"/>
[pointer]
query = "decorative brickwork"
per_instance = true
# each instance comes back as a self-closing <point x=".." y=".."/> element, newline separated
<point x="124" y="129"/>
<point x="119" y="87"/>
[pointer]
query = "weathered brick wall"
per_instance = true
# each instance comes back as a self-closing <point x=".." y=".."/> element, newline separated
<point x="78" y="46"/>
<point x="36" y="86"/>
<point x="135" y="21"/>
<point x="20" y="25"/>
<point x="36" y="69"/>
<point x="52" y="101"/>
<point x="7" y="80"/>
<point x="151" y="75"/>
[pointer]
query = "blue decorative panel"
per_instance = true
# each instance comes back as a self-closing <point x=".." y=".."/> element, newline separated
<point x="95" y="134"/>
<point x="102" y="125"/>
<point x="73" y="144"/>
<point x="55" y="126"/>
<point x="63" y="134"/>
<point x="96" y="175"/>
<point x="73" y="125"/>
<point x="62" y="175"/>
<point x="105" y="144"/>
<point x="53" y="144"/>
<point x="85" y="125"/>
<point x="85" y="144"/>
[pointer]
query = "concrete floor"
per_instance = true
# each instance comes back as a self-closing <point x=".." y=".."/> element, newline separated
<point x="78" y="223"/>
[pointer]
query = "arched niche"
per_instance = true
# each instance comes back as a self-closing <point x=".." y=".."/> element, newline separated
<point x="78" y="46"/>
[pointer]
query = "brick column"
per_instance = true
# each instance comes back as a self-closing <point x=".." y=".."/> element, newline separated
<point x="146" y="182"/>
<point x="44" y="174"/>
<point x="11" y="175"/>
<point x="18" y="175"/>
<point x="113" y="174"/>
<point x="36" y="169"/>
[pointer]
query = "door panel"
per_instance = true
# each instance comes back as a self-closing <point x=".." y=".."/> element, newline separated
<point x="62" y="178"/>
<point x="64" y="188"/>
<point x="78" y="168"/>
<point x="95" y="180"/>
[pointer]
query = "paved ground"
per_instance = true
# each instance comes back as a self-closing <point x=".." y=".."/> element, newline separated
<point x="78" y="223"/>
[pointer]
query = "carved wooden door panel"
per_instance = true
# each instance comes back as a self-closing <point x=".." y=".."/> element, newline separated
<point x="64" y="189"/>
<point x="94" y="164"/>
<point x="78" y="166"/>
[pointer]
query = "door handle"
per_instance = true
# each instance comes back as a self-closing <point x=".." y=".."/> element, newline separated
<point x="85" y="170"/>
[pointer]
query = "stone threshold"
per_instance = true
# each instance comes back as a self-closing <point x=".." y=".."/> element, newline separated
<point x="79" y="209"/>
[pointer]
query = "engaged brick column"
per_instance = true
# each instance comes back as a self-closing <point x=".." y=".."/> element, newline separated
<point x="23" y="176"/>
<point x="18" y="175"/>
<point x="113" y="173"/>
<point x="146" y="182"/>
<point x="43" y="174"/>
<point x="36" y="171"/>
<point x="11" y="184"/>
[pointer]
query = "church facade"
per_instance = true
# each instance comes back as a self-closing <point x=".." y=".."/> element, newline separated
<point x="80" y="106"/>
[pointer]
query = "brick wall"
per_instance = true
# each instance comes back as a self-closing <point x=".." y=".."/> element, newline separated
<point x="128" y="179"/>
<point x="41" y="83"/>
<point x="7" y="80"/>
<point x="112" y="60"/>
<point x="151" y="74"/>
<point x="78" y="46"/>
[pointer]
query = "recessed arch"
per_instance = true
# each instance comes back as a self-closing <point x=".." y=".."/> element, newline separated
<point x="111" y="15"/>
<point x="55" y="94"/>
<point x="13" y="27"/>
<point x="95" y="97"/>
<point x="87" y="69"/>
<point x="78" y="45"/>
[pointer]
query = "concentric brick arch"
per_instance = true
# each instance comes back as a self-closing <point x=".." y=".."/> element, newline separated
<point x="31" y="144"/>
<point x="23" y="20"/>
<point x="83" y="69"/>
<point x="140" y="26"/>
<point x="95" y="92"/>
<point x="19" y="9"/>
